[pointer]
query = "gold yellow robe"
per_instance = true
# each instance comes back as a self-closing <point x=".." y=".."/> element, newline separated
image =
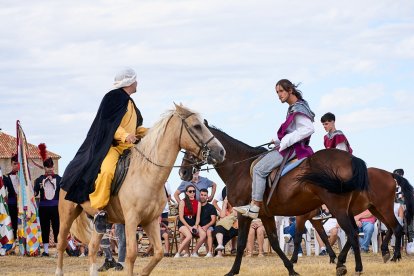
<point x="100" y="197"/>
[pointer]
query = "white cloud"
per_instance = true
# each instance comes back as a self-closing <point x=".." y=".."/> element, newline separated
<point x="404" y="98"/>
<point x="374" y="118"/>
<point x="345" y="98"/>
<point x="221" y="58"/>
<point x="76" y="117"/>
<point x="404" y="48"/>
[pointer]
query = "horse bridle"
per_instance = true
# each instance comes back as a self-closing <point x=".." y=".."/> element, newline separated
<point x="203" y="146"/>
<point x="193" y="163"/>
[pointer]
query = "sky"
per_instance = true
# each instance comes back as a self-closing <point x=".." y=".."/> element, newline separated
<point x="220" y="58"/>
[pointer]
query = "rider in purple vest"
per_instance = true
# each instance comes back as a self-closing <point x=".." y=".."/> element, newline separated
<point x="334" y="139"/>
<point x="294" y="132"/>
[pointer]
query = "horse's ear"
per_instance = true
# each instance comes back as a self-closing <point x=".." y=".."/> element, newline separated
<point x="205" y="122"/>
<point x="180" y="109"/>
<point x="177" y="107"/>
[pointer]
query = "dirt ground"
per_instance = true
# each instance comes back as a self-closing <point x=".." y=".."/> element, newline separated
<point x="269" y="265"/>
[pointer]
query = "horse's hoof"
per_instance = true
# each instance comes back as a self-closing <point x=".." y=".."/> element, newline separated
<point x="58" y="272"/>
<point x="231" y="274"/>
<point x="93" y="270"/>
<point x="386" y="257"/>
<point x="358" y="273"/>
<point x="395" y="259"/>
<point x="332" y="261"/>
<point x="341" y="271"/>
<point x="294" y="273"/>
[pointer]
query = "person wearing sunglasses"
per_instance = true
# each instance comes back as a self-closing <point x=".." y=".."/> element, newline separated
<point x="199" y="183"/>
<point x="189" y="219"/>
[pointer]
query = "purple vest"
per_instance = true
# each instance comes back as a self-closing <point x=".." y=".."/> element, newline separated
<point x="302" y="148"/>
<point x="331" y="141"/>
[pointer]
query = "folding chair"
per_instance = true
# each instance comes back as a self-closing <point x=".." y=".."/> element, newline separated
<point x="173" y="226"/>
<point x="284" y="222"/>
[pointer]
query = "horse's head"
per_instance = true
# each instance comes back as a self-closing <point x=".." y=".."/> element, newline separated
<point x="197" y="139"/>
<point x="189" y="165"/>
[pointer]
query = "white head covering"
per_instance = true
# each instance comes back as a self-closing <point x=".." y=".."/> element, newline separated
<point x="124" y="78"/>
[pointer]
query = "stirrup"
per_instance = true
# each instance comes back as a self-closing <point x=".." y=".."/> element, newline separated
<point x="322" y="216"/>
<point x="251" y="214"/>
<point x="99" y="222"/>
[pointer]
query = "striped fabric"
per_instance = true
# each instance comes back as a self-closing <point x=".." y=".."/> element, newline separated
<point x="28" y="230"/>
<point x="6" y="230"/>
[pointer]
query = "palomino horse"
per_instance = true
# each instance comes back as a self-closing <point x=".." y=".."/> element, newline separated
<point x="328" y="176"/>
<point x="142" y="197"/>
<point x="379" y="199"/>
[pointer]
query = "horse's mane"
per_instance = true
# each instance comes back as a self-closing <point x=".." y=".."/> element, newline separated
<point x="237" y="143"/>
<point x="148" y="144"/>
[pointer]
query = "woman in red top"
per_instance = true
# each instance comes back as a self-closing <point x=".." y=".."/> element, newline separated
<point x="189" y="214"/>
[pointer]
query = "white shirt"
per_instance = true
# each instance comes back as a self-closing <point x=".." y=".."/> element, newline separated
<point x="218" y="197"/>
<point x="168" y="189"/>
<point x="342" y="146"/>
<point x="3" y="188"/>
<point x="300" y="128"/>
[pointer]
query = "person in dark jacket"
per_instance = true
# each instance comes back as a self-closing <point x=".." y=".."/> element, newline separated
<point x="47" y="187"/>
<point x="11" y="183"/>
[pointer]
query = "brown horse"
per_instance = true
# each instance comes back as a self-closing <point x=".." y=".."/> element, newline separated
<point x="328" y="176"/>
<point x="379" y="199"/>
<point x="142" y="197"/>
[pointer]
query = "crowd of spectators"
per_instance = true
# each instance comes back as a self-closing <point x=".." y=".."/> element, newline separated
<point x="201" y="224"/>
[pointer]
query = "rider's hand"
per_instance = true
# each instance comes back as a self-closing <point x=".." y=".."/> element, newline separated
<point x="141" y="132"/>
<point x="276" y="142"/>
<point x="130" y="138"/>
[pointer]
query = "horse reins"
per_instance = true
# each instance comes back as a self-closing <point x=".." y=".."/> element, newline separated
<point x="201" y="162"/>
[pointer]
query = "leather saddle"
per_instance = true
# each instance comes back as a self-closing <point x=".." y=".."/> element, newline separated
<point x="121" y="171"/>
<point x="290" y="165"/>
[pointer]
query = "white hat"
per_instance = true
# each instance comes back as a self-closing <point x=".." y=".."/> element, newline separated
<point x="125" y="77"/>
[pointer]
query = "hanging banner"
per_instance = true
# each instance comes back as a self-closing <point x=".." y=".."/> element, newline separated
<point x="28" y="231"/>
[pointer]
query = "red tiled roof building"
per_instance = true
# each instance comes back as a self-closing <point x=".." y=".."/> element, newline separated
<point x="8" y="147"/>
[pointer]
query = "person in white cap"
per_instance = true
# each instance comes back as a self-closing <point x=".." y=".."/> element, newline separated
<point x="116" y="127"/>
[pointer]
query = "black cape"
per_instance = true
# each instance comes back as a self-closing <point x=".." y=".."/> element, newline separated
<point x="79" y="177"/>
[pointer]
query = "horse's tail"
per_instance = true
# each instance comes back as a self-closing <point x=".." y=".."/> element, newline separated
<point x="328" y="178"/>
<point x="407" y="191"/>
<point x="82" y="228"/>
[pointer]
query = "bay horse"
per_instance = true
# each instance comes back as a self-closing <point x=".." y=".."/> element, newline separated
<point x="142" y="198"/>
<point x="379" y="200"/>
<point x="328" y="176"/>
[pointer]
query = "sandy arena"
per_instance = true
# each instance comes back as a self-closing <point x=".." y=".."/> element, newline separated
<point x="269" y="265"/>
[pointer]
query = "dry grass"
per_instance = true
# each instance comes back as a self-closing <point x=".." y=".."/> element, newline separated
<point x="269" y="265"/>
